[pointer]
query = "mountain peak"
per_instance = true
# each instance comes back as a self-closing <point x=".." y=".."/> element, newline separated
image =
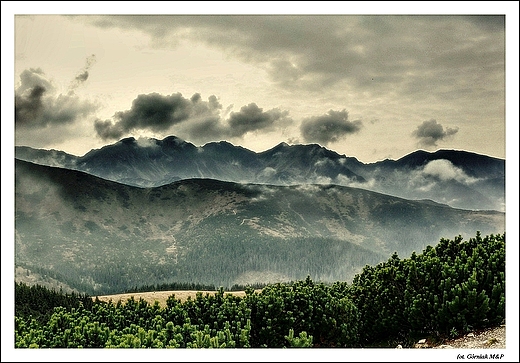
<point x="173" y="142"/>
<point x="276" y="149"/>
<point x="128" y="140"/>
<point x="281" y="146"/>
<point x="173" y="138"/>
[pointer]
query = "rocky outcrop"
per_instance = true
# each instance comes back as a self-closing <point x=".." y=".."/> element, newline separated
<point x="493" y="338"/>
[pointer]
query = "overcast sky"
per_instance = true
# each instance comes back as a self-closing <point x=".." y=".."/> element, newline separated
<point x="368" y="86"/>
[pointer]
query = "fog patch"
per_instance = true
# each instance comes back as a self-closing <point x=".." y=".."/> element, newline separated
<point x="320" y="179"/>
<point x="426" y="188"/>
<point x="342" y="179"/>
<point x="268" y="172"/>
<point x="308" y="188"/>
<point x="323" y="162"/>
<point x="262" y="192"/>
<point x="147" y="142"/>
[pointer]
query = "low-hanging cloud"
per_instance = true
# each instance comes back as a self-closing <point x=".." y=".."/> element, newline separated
<point x="253" y="118"/>
<point x="328" y="128"/>
<point x="194" y="118"/>
<point x="268" y="172"/>
<point x="430" y="132"/>
<point x="445" y="170"/>
<point x="37" y="104"/>
<point x="155" y="112"/>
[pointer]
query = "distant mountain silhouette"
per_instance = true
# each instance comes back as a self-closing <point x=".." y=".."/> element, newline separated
<point x="458" y="178"/>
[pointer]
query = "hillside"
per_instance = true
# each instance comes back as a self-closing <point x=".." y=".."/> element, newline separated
<point x="101" y="237"/>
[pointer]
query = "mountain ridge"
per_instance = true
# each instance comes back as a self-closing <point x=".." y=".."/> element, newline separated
<point x="460" y="179"/>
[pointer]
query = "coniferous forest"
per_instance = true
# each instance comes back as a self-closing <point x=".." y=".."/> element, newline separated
<point x="449" y="289"/>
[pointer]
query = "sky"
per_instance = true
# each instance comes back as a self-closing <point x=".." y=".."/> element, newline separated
<point x="368" y="86"/>
<point x="380" y="84"/>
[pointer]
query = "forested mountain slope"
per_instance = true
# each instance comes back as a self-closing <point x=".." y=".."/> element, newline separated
<point x="98" y="236"/>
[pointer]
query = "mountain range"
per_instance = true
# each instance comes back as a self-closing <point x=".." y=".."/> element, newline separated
<point x="144" y="212"/>
<point x="459" y="179"/>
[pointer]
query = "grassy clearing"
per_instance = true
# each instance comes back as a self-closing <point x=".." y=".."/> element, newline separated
<point x="161" y="296"/>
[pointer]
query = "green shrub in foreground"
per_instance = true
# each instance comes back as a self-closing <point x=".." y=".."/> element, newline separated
<point x="452" y="287"/>
<point x="316" y="309"/>
<point x="457" y="285"/>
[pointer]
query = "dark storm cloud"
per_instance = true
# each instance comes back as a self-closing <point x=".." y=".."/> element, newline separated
<point x="252" y="118"/>
<point x="204" y="130"/>
<point x="249" y="119"/>
<point x="196" y="119"/>
<point x="152" y="111"/>
<point x="430" y="132"/>
<point x="155" y="112"/>
<point x="328" y="128"/>
<point x="402" y="55"/>
<point x="38" y="105"/>
<point x="107" y="130"/>
<point x="30" y="106"/>
<point x="33" y="77"/>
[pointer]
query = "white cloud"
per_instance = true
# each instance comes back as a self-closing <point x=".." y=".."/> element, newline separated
<point x="342" y="179"/>
<point x="268" y="172"/>
<point x="323" y="180"/>
<point x="309" y="188"/>
<point x="445" y="170"/>
<point x="146" y="142"/>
